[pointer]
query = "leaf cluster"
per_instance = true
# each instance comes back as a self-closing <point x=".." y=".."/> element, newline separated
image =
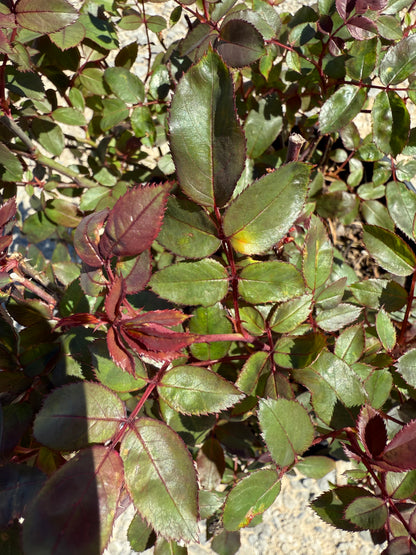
<point x="207" y="269"/>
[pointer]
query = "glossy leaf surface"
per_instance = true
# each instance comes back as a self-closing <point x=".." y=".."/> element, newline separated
<point x="206" y="140"/>
<point x="341" y="108"/>
<point x="45" y="16"/>
<point x="399" y="62"/>
<point x="391" y="122"/>
<point x="389" y="250"/>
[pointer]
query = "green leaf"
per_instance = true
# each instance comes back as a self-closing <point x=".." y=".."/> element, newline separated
<point x="250" y="497"/>
<point x="298" y="351"/>
<point x="385" y="330"/>
<point x="210" y="320"/>
<point x="207" y="142"/>
<point x="62" y="212"/>
<point x="331" y="296"/>
<point x="49" y="135"/>
<point x="69" y="116"/>
<point x="156" y="23"/>
<point x="45" y="16"/>
<point x="350" y="344"/>
<point x="362" y="59"/>
<point x="239" y="43"/>
<point x="114" y="112"/>
<point x="110" y="375"/>
<point x="74" y="511"/>
<point x="337" y="318"/>
<point x="401" y="485"/>
<point x="272" y="281"/>
<point x="37" y="227"/>
<point x="317" y="255"/>
<point x="369" y="512"/>
<point x="10" y="167"/>
<point x="159" y="86"/>
<point x="399" y="62"/>
<point x="401" y="203"/>
<point x="99" y="30"/>
<point x="331" y="505"/>
<point x="155" y="462"/>
<point x="262" y="125"/>
<point x="391" y="122"/>
<point x="389" y="27"/>
<point x="25" y="84"/>
<point x="264" y="212"/>
<point x="124" y="84"/>
<point x="330" y="379"/>
<point x="316" y="467"/>
<point x="69" y="36"/>
<point x="287" y="429"/>
<point x="389" y="250"/>
<point x="78" y="414"/>
<point x="226" y="543"/>
<point x="376" y="293"/>
<point x="196" y="390"/>
<point x="187" y="230"/>
<point x="406" y="367"/>
<point x="375" y="213"/>
<point x="192" y="283"/>
<point x="378" y="387"/>
<point x="289" y="315"/>
<point x="92" y="78"/>
<point x="253" y="376"/>
<point x="341" y="108"/>
<point x="140" y="536"/>
<point x="143" y="125"/>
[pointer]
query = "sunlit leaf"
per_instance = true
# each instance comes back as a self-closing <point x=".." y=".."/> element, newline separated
<point x="317" y="255"/>
<point x="271" y="281"/>
<point x="341" y="108"/>
<point x="399" y="62"/>
<point x="389" y="250"/>
<point x="391" y="122"/>
<point x="367" y="512"/>
<point x="156" y="461"/>
<point x="287" y="429"/>
<point x="250" y="497"/>
<point x="207" y="142"/>
<point x="264" y="212"/>
<point x="45" y="16"/>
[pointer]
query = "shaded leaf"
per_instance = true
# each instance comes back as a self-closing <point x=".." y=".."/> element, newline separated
<point x="385" y="330"/>
<point x="192" y="283"/>
<point x="124" y="84"/>
<point x="298" y="351"/>
<point x="406" y="367"/>
<point x="255" y="221"/>
<point x="49" y="135"/>
<point x="207" y="142"/>
<point x="10" y="166"/>
<point x="317" y="255"/>
<point x="331" y="505"/>
<point x="316" y="467"/>
<point x="196" y="390"/>
<point x="87" y="237"/>
<point x="400" y="453"/>
<point x="140" y="535"/>
<point x="391" y="122"/>
<point x="369" y="512"/>
<point x="75" y="509"/>
<point x="262" y="125"/>
<point x="155" y="461"/>
<point x="210" y="463"/>
<point x="287" y="429"/>
<point x="210" y="320"/>
<point x="250" y="497"/>
<point x="78" y="414"/>
<point x="376" y="293"/>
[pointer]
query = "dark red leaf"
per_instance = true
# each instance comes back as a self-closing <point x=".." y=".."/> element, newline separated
<point x="374" y="5"/>
<point x="345" y="7"/>
<point x="136" y="272"/>
<point x="372" y="431"/>
<point x="155" y="337"/>
<point x="115" y="296"/>
<point x="87" y="238"/>
<point x="401" y="451"/>
<point x="5" y="242"/>
<point x="359" y="27"/>
<point x="325" y="24"/>
<point x="239" y="43"/>
<point x="82" y="319"/>
<point x="119" y="352"/>
<point x="7" y="211"/>
<point x="335" y="46"/>
<point x="163" y="317"/>
<point x="134" y="221"/>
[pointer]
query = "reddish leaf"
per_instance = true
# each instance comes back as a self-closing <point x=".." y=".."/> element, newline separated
<point x="7" y="211"/>
<point x="155" y="337"/>
<point x="360" y="26"/>
<point x="5" y="242"/>
<point x="5" y="45"/>
<point x="345" y="7"/>
<point x="400" y="453"/>
<point x="119" y="352"/>
<point x="372" y="431"/>
<point x="335" y="46"/>
<point x="136" y="271"/>
<point x="325" y="24"/>
<point x="83" y="319"/>
<point x="163" y="317"/>
<point x="115" y="297"/>
<point x="134" y="221"/>
<point x="45" y="16"/>
<point x="374" y="5"/>
<point x="87" y="238"/>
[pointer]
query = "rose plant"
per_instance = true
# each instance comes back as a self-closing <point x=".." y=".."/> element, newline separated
<point x="229" y="292"/>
